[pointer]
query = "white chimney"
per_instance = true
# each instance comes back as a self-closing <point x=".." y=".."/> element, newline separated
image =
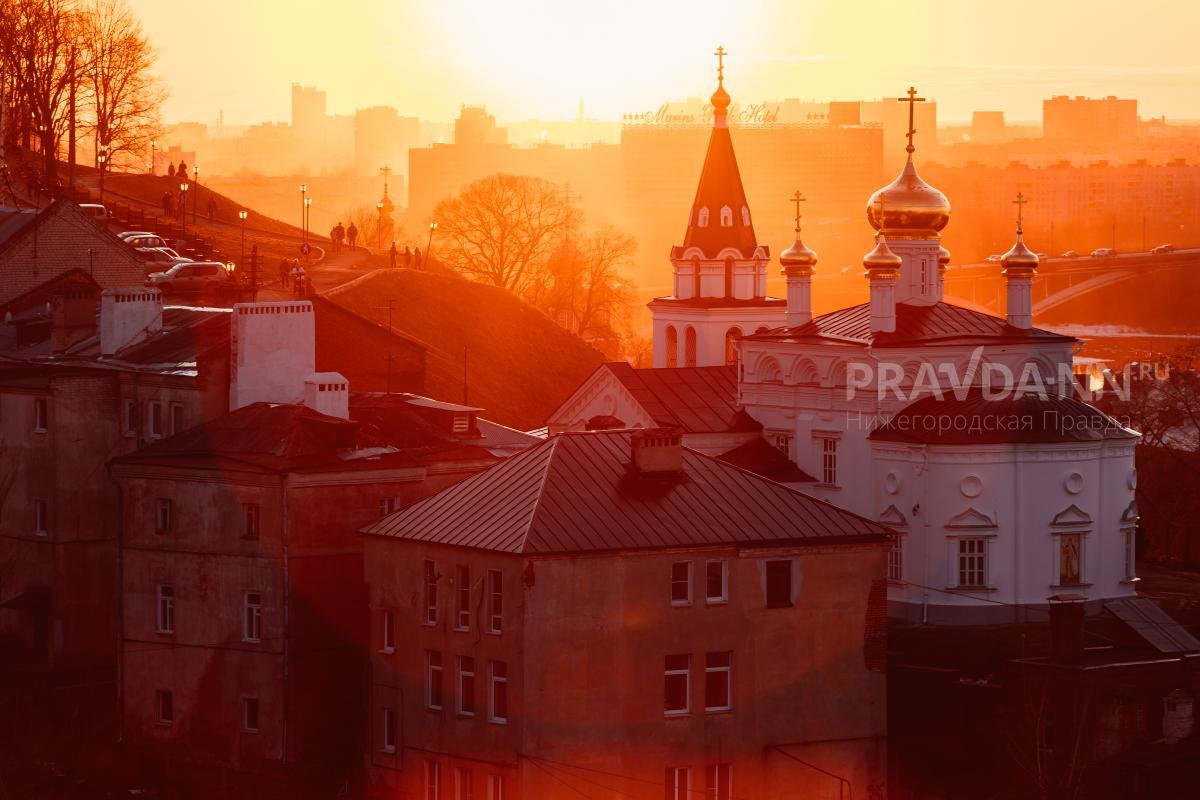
<point x="656" y="451"/>
<point x="127" y="316"/>
<point x="328" y="393"/>
<point x="272" y="352"/>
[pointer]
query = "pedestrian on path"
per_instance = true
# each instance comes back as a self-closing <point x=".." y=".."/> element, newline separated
<point x="352" y="235"/>
<point x="283" y="272"/>
<point x="212" y="208"/>
<point x="407" y="257"/>
<point x="417" y="263"/>
<point x="392" y="255"/>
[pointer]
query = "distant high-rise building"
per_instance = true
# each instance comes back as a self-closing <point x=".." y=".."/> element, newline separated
<point x="308" y="107"/>
<point x="1085" y="119"/>
<point x="988" y="127"/>
<point x="383" y="137"/>
<point x="476" y="126"/>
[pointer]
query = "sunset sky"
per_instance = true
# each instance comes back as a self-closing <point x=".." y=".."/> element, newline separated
<point x="539" y="58"/>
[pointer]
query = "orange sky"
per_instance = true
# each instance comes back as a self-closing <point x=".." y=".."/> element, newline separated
<point x="526" y="58"/>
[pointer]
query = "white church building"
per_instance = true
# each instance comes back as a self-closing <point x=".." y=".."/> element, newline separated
<point x="954" y="427"/>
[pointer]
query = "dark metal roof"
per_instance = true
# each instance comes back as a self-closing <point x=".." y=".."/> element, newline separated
<point x="1148" y="620"/>
<point x="762" y="458"/>
<point x="720" y="186"/>
<point x="1013" y="419"/>
<point x="940" y="321"/>
<point x="577" y="492"/>
<point x="691" y="399"/>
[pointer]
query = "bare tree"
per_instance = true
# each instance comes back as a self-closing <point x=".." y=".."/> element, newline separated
<point x="503" y="230"/>
<point x="589" y="292"/>
<point x="121" y="95"/>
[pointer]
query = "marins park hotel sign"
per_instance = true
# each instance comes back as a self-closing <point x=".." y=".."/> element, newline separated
<point x="750" y="114"/>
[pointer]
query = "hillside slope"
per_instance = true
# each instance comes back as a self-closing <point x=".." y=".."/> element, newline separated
<point x="520" y="365"/>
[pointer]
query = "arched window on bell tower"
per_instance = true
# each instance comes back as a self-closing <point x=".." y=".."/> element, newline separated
<point x="726" y="217"/>
<point x="731" y="339"/>
<point x="672" y="346"/>
<point x="689" y="347"/>
<point x="702" y="217"/>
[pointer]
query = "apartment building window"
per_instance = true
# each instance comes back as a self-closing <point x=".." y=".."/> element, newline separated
<point x="41" y="414"/>
<point x="433" y="680"/>
<point x="972" y="562"/>
<point x="176" y="418"/>
<point x="462" y="593"/>
<point x="130" y="418"/>
<point x="252" y="617"/>
<point x="719" y="782"/>
<point x="156" y="420"/>
<point x="677" y="685"/>
<point x="162" y="515"/>
<point x="387" y="733"/>
<point x="495" y="787"/>
<point x="1070" y="559"/>
<point x="681" y="583"/>
<point x="462" y="784"/>
<point x="718" y="681"/>
<point x="251" y="518"/>
<point x="431" y="593"/>
<point x="466" y="686"/>
<point x="250" y="714"/>
<point x="166" y="609"/>
<point x="388" y="505"/>
<point x="896" y="559"/>
<point x="828" y="448"/>
<point x="433" y="780"/>
<point x="679" y="783"/>
<point x="497" y="692"/>
<point x="716" y="582"/>
<point x="495" y="583"/>
<point x="781" y="441"/>
<point x="41" y="518"/>
<point x="779" y="583"/>
<point x="389" y="632"/>
<point x="164" y="707"/>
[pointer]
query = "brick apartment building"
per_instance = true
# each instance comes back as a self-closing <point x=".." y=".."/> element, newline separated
<point x="611" y="614"/>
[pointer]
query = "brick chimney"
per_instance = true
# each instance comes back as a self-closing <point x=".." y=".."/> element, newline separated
<point x="1066" y="628"/>
<point x="328" y="393"/>
<point x="72" y="317"/>
<point x="273" y="348"/>
<point x="127" y="316"/>
<point x="656" y="451"/>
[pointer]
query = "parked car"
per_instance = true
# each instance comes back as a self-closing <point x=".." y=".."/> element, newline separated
<point x="993" y="258"/>
<point x="145" y="240"/>
<point x="1070" y="254"/>
<point x="159" y="259"/>
<point x="1103" y="252"/>
<point x="193" y="276"/>
<point x="124" y="236"/>
<point x="1163" y="248"/>
<point x="95" y="211"/>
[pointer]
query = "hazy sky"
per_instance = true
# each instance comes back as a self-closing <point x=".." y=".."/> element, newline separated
<point x="539" y="58"/>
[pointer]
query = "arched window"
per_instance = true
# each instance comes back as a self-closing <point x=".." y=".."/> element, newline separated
<point x="672" y="346"/>
<point x="731" y="338"/>
<point x="689" y="347"/>
<point x="746" y="216"/>
<point x="702" y="217"/>
<point x="729" y="277"/>
<point x="726" y="217"/>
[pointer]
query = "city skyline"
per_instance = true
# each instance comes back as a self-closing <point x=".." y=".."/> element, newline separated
<point x="473" y="56"/>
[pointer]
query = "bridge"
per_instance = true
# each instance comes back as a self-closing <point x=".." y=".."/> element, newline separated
<point x="1060" y="280"/>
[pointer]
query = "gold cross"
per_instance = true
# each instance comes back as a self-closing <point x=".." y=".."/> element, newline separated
<point x="720" y="53"/>
<point x="798" y="198"/>
<point x="1020" y="203"/>
<point x="912" y="100"/>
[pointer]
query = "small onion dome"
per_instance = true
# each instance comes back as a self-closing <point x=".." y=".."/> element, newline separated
<point x="720" y="100"/>
<point x="798" y="258"/>
<point x="943" y="258"/>
<point x="386" y="204"/>
<point x="882" y="262"/>
<point x="1019" y="260"/>
<point x="912" y="208"/>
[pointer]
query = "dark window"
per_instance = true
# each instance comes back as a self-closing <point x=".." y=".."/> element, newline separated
<point x="162" y="521"/>
<point x="720" y="785"/>
<point x="681" y="583"/>
<point x="498" y="691"/>
<point x="462" y="590"/>
<point x="389" y="632"/>
<point x="779" y="584"/>
<point x="715" y="589"/>
<point x="164" y="707"/>
<point x="495" y="601"/>
<point x="41" y="414"/>
<point x="431" y="593"/>
<point x="389" y="730"/>
<point x="156" y="421"/>
<point x="677" y="676"/>
<point x="176" y="418"/>
<point x="250" y="714"/>
<point x="718" y="681"/>
<point x="433" y="680"/>
<point x="466" y="686"/>
<point x="251" y="513"/>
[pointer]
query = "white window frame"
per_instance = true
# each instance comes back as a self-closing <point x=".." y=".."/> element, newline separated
<point x="429" y="596"/>
<point x="251" y="521"/>
<point x="723" y="597"/>
<point x="679" y="789"/>
<point x="165" y="612"/>
<point x="687" y="582"/>
<point x="724" y="673"/>
<point x="1129" y="539"/>
<point x="160" y="711"/>
<point x="129" y="419"/>
<point x="726" y="217"/>
<point x="895" y="564"/>
<point x="154" y="413"/>
<point x="164" y="516"/>
<point x="495" y="787"/>
<point x="388" y="634"/>
<point x="247" y="704"/>
<point x="1059" y="539"/>
<point x="702" y="217"/>
<point x="41" y="414"/>
<point x="463" y="790"/>
<point x="827" y="452"/>
<point x="462" y="597"/>
<point x="495" y="589"/>
<point x="960" y="555"/>
<point x="41" y="518"/>
<point x="715" y="788"/>
<point x="388" y="505"/>
<point x="252" y="617"/>
<point x="434" y="674"/>
<point x="496" y="681"/>
<point x="464" y="685"/>
<point x="175" y="421"/>
<point x="387" y="729"/>
<point x="433" y="779"/>
<point x="781" y="441"/>
<point x="668" y="673"/>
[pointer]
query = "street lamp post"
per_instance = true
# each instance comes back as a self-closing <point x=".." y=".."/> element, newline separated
<point x="183" y="190"/>
<point x="101" y="158"/>
<point x="242" y="216"/>
<point x="428" y="244"/>
<point x="303" y="212"/>
<point x="196" y="196"/>
<point x="307" y="216"/>
<point x="153" y="146"/>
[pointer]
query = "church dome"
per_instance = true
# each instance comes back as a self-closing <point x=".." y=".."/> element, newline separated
<point x="882" y="260"/>
<point x="1019" y="259"/>
<point x="912" y="208"/>
<point x="720" y="100"/>
<point x="798" y="256"/>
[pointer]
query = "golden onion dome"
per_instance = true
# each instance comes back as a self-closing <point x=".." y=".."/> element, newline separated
<point x="912" y="208"/>
<point x="881" y="261"/>
<point x="943" y="257"/>
<point x="1019" y="260"/>
<point x="386" y="204"/>
<point x="720" y="100"/>
<point x="798" y="257"/>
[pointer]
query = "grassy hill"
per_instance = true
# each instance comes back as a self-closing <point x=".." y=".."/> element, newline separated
<point x="519" y="364"/>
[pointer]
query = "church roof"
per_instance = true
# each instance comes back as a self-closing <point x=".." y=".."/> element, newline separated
<point x="720" y="186"/>
<point x="1013" y="419"/>
<point x="915" y="324"/>
<point x="689" y="399"/>
<point x="576" y="493"/>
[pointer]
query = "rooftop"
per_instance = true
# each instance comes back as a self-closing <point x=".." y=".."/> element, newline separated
<point x="689" y="399"/>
